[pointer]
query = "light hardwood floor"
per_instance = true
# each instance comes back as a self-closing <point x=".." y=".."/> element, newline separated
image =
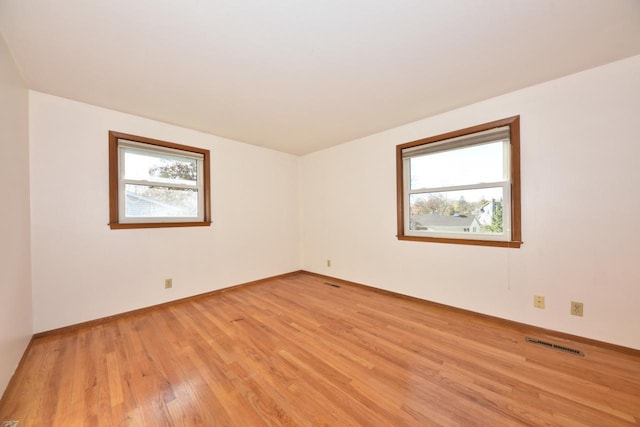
<point x="295" y="351"/>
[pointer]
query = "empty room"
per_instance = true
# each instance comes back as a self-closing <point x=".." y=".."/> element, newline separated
<point x="306" y="213"/>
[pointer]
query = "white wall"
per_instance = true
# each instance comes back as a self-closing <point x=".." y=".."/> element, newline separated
<point x="83" y="270"/>
<point x="15" y="283"/>
<point x="580" y="210"/>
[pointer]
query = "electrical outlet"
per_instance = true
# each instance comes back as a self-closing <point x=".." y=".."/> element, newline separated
<point x="168" y="283"/>
<point x="538" y="301"/>
<point x="328" y="263"/>
<point x="577" y="308"/>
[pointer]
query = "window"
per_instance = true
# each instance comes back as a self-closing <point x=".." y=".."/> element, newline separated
<point x="156" y="183"/>
<point x="462" y="187"/>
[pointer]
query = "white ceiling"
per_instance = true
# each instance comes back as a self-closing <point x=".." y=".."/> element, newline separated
<point x="301" y="75"/>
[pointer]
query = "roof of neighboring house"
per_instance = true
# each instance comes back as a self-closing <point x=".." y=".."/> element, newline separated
<point x="437" y="220"/>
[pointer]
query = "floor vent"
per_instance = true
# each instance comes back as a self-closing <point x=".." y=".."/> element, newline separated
<point x="9" y="424"/>
<point x="332" y="284"/>
<point x="555" y="346"/>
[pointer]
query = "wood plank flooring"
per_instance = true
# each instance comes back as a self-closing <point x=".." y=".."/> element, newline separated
<point x="294" y="351"/>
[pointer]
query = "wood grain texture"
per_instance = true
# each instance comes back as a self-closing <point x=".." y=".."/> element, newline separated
<point x="293" y="351"/>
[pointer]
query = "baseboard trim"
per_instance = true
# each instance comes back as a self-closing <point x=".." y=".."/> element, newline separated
<point x="101" y="320"/>
<point x="523" y="327"/>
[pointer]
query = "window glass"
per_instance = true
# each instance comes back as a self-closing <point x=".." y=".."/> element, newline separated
<point x="475" y="164"/>
<point x="160" y="202"/>
<point x="458" y="211"/>
<point x="147" y="165"/>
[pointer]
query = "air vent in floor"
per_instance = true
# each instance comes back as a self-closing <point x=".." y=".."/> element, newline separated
<point x="332" y="284"/>
<point x="555" y="346"/>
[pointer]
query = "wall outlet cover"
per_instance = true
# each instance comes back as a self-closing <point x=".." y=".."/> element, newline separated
<point x="577" y="308"/>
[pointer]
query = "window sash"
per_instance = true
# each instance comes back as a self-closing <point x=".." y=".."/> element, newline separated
<point x="160" y="152"/>
<point x="465" y="141"/>
<point x="506" y="214"/>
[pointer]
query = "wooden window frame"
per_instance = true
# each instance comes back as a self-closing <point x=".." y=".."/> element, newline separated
<point x="516" y="227"/>
<point x="114" y="221"/>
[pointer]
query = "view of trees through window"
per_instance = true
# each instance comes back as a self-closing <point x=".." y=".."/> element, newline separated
<point x="175" y="170"/>
<point x="178" y="198"/>
<point x="488" y="212"/>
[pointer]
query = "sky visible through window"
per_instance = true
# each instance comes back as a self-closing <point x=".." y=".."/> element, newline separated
<point x="469" y="165"/>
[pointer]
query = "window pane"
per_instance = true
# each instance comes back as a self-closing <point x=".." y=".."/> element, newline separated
<point x="143" y="165"/>
<point x="465" y="211"/>
<point x="152" y="201"/>
<point x="467" y="165"/>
